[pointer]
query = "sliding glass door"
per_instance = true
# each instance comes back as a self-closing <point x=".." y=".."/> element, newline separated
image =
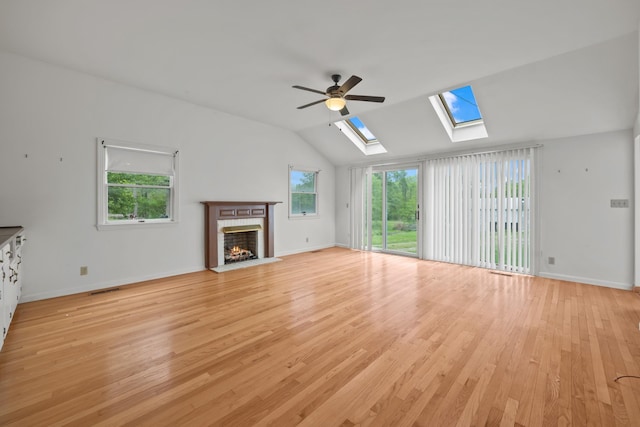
<point x="394" y="204"/>
<point x="477" y="209"/>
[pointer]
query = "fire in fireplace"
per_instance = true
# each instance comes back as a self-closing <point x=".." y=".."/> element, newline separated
<point x="240" y="243"/>
<point x="237" y="253"/>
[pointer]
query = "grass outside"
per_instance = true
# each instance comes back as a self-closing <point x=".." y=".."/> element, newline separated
<point x="400" y="237"/>
<point x="518" y="241"/>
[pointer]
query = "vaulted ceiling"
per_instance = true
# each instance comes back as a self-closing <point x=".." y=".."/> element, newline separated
<point x="541" y="69"/>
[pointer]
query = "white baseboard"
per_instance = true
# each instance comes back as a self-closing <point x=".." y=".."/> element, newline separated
<point x="342" y="245"/>
<point x="587" y="280"/>
<point x="309" y="249"/>
<point x="27" y="297"/>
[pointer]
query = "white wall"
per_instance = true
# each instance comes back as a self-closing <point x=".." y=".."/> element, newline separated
<point x="636" y="128"/>
<point x="591" y="242"/>
<point x="636" y="133"/>
<point x="49" y="113"/>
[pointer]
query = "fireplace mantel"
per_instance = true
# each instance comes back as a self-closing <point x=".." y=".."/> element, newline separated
<point x="216" y="210"/>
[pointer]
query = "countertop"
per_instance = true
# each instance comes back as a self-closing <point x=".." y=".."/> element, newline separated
<point x="8" y="233"/>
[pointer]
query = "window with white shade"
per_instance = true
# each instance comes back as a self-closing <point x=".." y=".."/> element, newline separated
<point x="137" y="184"/>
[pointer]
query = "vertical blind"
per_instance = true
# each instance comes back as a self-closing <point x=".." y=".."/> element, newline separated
<point x="359" y="213"/>
<point x="479" y="209"/>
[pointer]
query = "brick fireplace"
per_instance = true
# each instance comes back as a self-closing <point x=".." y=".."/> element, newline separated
<point x="237" y="231"/>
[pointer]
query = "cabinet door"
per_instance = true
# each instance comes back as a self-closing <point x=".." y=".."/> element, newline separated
<point x="20" y="239"/>
<point x="4" y="285"/>
<point x="11" y="289"/>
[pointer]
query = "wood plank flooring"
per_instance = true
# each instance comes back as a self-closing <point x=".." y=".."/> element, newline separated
<point x="332" y="338"/>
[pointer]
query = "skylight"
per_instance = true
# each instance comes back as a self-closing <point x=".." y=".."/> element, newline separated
<point x="360" y="135"/>
<point x="459" y="114"/>
<point x="362" y="130"/>
<point x="461" y="105"/>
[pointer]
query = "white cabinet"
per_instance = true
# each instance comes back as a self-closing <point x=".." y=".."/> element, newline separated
<point x="11" y="242"/>
<point x="4" y="300"/>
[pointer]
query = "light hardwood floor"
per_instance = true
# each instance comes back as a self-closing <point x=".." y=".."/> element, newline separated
<point x="332" y="338"/>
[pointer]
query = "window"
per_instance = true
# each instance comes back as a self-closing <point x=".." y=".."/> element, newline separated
<point x="137" y="184"/>
<point x="303" y="192"/>
<point x="361" y="130"/>
<point x="360" y="135"/>
<point x="459" y="114"/>
<point x="461" y="105"/>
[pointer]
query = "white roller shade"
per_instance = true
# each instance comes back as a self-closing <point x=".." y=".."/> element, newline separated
<point x="119" y="159"/>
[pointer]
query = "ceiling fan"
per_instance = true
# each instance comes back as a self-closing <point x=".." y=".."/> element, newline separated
<point x="337" y="97"/>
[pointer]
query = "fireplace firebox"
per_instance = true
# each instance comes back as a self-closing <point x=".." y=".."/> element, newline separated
<point x="240" y="245"/>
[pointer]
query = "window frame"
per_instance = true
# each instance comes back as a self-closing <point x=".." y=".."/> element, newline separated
<point x="103" y="222"/>
<point x="316" y="173"/>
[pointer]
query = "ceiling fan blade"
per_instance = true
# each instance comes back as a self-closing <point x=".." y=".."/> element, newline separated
<point x="309" y="89"/>
<point x="344" y="111"/>
<point x="349" y="84"/>
<point x="365" y="98"/>
<point x="310" y="104"/>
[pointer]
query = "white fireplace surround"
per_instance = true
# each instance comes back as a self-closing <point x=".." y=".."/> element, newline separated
<point x="235" y="222"/>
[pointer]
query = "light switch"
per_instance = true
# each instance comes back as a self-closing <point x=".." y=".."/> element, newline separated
<point x="619" y="203"/>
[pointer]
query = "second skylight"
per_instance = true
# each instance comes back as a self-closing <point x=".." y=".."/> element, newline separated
<point x="461" y="105"/>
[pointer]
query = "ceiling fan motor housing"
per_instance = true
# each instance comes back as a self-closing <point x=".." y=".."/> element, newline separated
<point x="334" y="91"/>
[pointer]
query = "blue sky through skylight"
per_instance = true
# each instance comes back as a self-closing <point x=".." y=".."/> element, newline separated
<point x="462" y="105"/>
<point x="364" y="131"/>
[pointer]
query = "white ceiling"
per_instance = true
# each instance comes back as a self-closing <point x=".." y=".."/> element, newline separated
<point x="541" y="69"/>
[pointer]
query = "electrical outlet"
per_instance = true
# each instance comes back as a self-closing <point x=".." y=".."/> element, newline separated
<point x="552" y="260"/>
<point x="307" y="240"/>
<point x="84" y="270"/>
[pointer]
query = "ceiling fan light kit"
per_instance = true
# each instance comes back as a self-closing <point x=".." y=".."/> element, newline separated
<point x="337" y="98"/>
<point x="335" y="103"/>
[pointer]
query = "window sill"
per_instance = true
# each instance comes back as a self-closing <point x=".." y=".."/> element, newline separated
<point x="297" y="217"/>
<point x="135" y="224"/>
